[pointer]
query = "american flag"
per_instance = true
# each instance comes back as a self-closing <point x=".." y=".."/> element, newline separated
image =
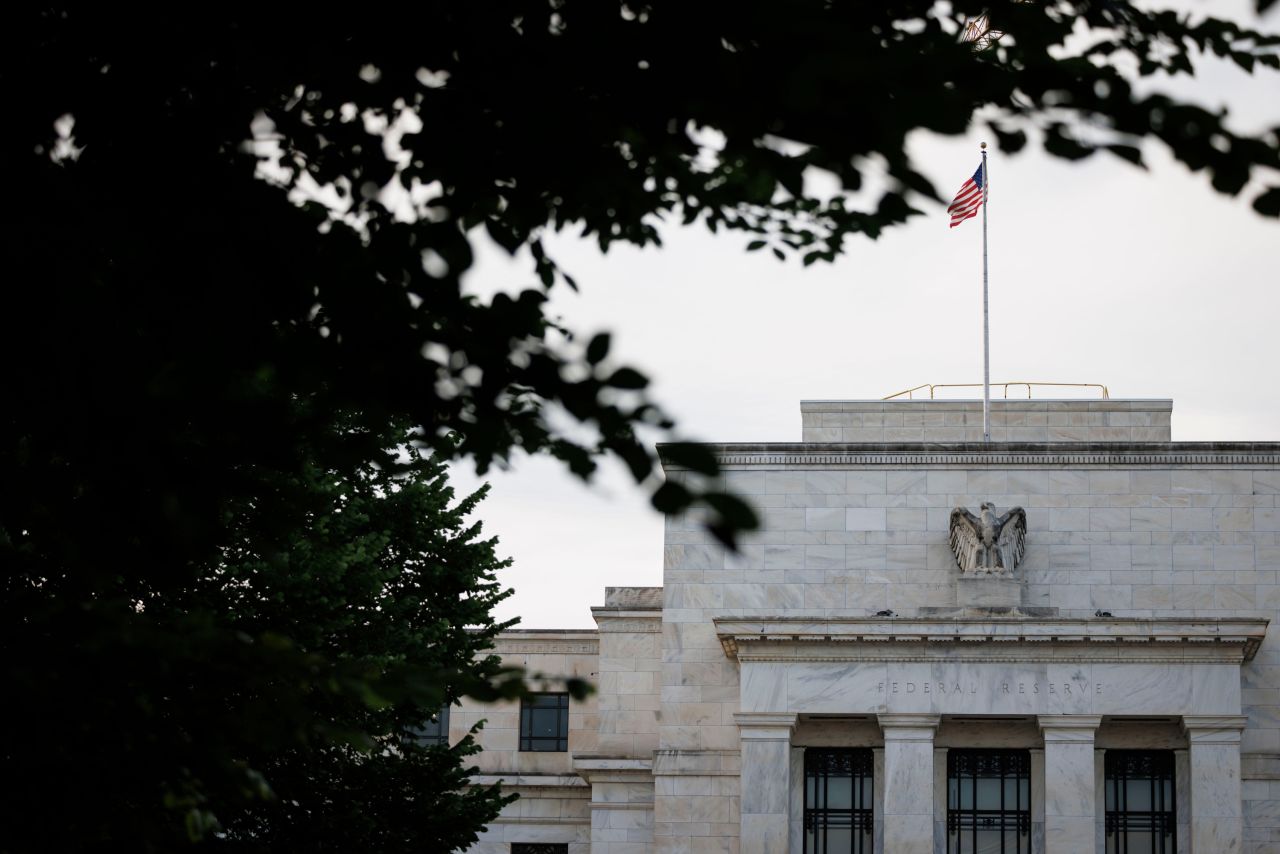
<point x="968" y="200"/>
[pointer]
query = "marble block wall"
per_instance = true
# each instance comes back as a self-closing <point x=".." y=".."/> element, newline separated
<point x="554" y="801"/>
<point x="549" y="809"/>
<point x="855" y="519"/>
<point x="630" y="632"/>
<point x="598" y="796"/>
<point x="961" y="420"/>
<point x="553" y="653"/>
<point x="1120" y="519"/>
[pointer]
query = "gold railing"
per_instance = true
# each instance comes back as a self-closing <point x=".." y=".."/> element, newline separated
<point x="910" y="393"/>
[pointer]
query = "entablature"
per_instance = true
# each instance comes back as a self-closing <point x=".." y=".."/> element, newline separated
<point x="1012" y="454"/>
<point x="1229" y="640"/>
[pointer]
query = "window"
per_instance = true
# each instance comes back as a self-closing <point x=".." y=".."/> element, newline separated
<point x="539" y="848"/>
<point x="433" y="731"/>
<point x="988" y="801"/>
<point x="544" y="723"/>
<point x="1140" y="815"/>
<point x="837" y="801"/>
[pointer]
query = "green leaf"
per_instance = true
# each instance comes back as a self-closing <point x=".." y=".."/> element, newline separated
<point x="1059" y="144"/>
<point x="627" y="378"/>
<point x="1010" y="142"/>
<point x="1127" y="152"/>
<point x="692" y="456"/>
<point x="1268" y="203"/>
<point x="1230" y="178"/>
<point x="756" y="244"/>
<point x="733" y="510"/>
<point x="917" y="182"/>
<point x="598" y="348"/>
<point x="670" y="498"/>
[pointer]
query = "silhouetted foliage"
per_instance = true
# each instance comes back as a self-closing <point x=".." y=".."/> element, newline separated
<point x="234" y="256"/>
<point x="261" y="698"/>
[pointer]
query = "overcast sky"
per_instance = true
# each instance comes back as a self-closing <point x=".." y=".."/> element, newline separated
<point x="1149" y="282"/>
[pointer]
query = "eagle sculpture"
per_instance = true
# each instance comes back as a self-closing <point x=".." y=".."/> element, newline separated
<point x="988" y="544"/>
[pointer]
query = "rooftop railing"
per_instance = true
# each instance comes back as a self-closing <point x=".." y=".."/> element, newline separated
<point x="932" y="387"/>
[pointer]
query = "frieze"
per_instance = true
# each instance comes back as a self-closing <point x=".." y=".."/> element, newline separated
<point x="1020" y="455"/>
<point x="548" y="647"/>
<point x="1002" y="687"/>
<point x="622" y="625"/>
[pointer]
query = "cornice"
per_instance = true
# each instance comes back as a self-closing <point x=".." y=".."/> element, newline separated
<point x="532" y="781"/>
<point x="1214" y="729"/>
<point x="874" y="639"/>
<point x="976" y="454"/>
<point x="609" y="769"/>
<point x="627" y="621"/>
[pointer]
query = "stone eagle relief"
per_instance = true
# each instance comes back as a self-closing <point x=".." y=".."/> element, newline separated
<point x="987" y="544"/>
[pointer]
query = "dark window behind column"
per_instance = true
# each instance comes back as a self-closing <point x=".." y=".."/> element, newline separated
<point x="837" y="801"/>
<point x="1140" y="817"/>
<point x="539" y="848"/>
<point x="988" y="801"/>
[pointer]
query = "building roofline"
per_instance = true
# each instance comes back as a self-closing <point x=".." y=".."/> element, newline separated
<point x="1170" y="454"/>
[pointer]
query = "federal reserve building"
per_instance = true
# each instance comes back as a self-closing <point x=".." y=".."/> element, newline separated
<point x="1061" y="640"/>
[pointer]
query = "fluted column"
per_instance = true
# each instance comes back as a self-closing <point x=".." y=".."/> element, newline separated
<point x="766" y="781"/>
<point x="1217" y="825"/>
<point x="1070" y="782"/>
<point x="908" y="782"/>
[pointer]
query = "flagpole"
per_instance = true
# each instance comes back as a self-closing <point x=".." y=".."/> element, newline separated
<point x="986" y="323"/>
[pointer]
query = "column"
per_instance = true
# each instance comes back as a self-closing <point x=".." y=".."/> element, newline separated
<point x="1217" y="825"/>
<point x="908" y="782"/>
<point x="1069" y="782"/>
<point x="766" y="781"/>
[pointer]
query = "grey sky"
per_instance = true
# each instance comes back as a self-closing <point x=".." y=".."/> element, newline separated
<point x="1149" y="282"/>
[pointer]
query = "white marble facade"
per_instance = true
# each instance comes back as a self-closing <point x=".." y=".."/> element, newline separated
<point x="1147" y="600"/>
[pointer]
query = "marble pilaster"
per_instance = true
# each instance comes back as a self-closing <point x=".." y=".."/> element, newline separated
<point x="1100" y="800"/>
<point x="1214" y="751"/>
<point x="908" y="782"/>
<point x="766" y="781"/>
<point x="622" y="795"/>
<point x="1037" y="799"/>
<point x="1070" y="782"/>
<point x="877" y="796"/>
<point x="1182" y="796"/>
<point x="796" y="818"/>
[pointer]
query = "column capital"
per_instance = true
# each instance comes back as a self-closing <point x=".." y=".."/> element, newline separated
<point x="1072" y="728"/>
<point x="906" y="726"/>
<point x="765" y="726"/>
<point x="1214" y="729"/>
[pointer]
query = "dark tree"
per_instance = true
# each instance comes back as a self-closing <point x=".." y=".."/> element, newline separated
<point x="267" y="700"/>
<point x="384" y="577"/>
<point x="195" y="352"/>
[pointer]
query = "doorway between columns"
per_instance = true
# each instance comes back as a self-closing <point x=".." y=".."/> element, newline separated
<point x="988" y="782"/>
